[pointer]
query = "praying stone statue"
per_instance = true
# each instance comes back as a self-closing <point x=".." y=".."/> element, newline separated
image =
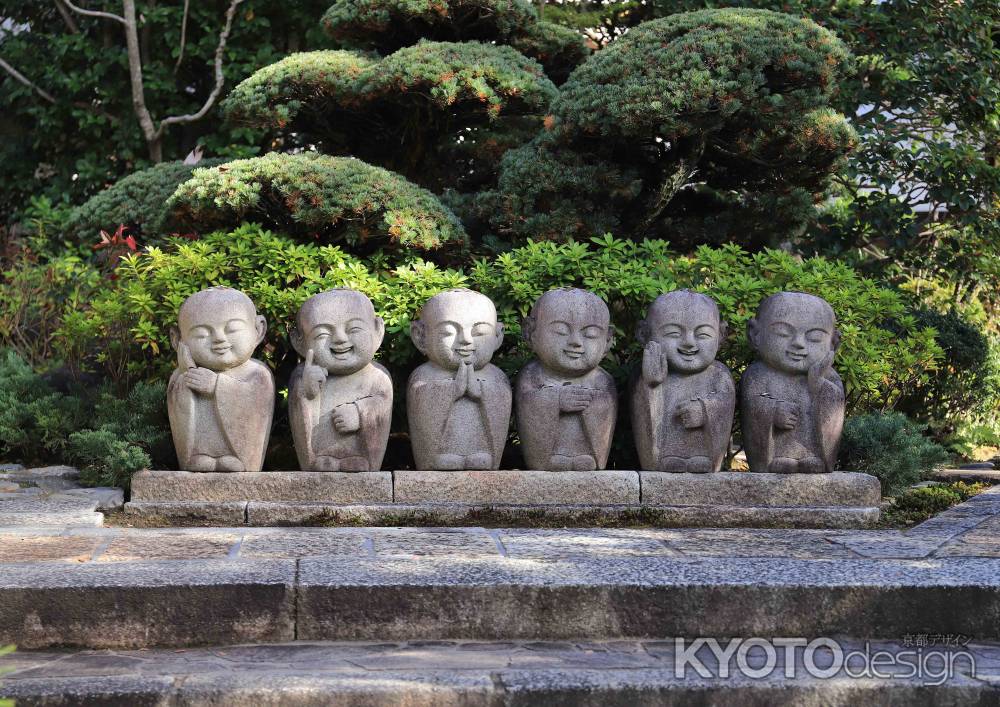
<point x="220" y="401"/>
<point x="792" y="399"/>
<point x="566" y="403"/>
<point x="339" y="399"/>
<point x="458" y="403"/>
<point x="683" y="401"/>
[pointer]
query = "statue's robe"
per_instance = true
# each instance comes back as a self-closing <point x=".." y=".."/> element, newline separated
<point x="821" y="418"/>
<point x="313" y="431"/>
<point x="234" y="421"/>
<point x="654" y="416"/>
<point x="545" y="431"/>
<point x="440" y="424"/>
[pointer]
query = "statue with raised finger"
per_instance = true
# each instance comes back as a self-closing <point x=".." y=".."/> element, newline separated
<point x="566" y="403"/>
<point x="339" y="398"/>
<point x="791" y="398"/>
<point x="220" y="400"/>
<point x="683" y="400"/>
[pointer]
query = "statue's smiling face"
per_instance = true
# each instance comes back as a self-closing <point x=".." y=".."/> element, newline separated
<point x="795" y="332"/>
<point x="687" y="328"/>
<point x="460" y="327"/>
<point x="221" y="333"/>
<point x="342" y="331"/>
<point x="571" y="331"/>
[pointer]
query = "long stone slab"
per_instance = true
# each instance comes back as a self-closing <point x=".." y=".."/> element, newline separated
<point x="260" y="513"/>
<point x="533" y="487"/>
<point x="490" y="674"/>
<point x="499" y="599"/>
<point x="741" y="488"/>
<point x="141" y="604"/>
<point x="326" y="486"/>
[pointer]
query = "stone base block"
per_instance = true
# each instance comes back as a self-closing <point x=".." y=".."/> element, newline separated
<point x="185" y="513"/>
<point x="745" y="489"/>
<point x="314" y="486"/>
<point x="600" y="488"/>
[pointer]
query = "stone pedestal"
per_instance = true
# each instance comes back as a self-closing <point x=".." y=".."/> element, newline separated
<point x="288" y="486"/>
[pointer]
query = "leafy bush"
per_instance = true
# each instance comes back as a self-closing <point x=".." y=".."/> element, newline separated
<point x="317" y="197"/>
<point x="927" y="500"/>
<point x="890" y="447"/>
<point x="109" y="437"/>
<point x="877" y="364"/>
<point x="139" y="201"/>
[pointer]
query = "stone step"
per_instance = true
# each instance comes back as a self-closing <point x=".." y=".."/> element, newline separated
<point x="494" y="674"/>
<point x="135" y="604"/>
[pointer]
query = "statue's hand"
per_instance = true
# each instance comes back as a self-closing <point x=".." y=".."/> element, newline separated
<point x="347" y="418"/>
<point x="313" y="377"/>
<point x="201" y="380"/>
<point x="574" y="398"/>
<point x="462" y="377"/>
<point x="818" y="371"/>
<point x="474" y="389"/>
<point x="691" y="414"/>
<point x="654" y="364"/>
<point x="185" y="361"/>
<point x="786" y="415"/>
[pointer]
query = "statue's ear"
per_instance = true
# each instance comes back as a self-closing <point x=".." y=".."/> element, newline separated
<point x="298" y="341"/>
<point x="753" y="333"/>
<point x="418" y="334"/>
<point x="175" y="337"/>
<point x="379" y="332"/>
<point x="528" y="328"/>
<point x="835" y="340"/>
<point x="642" y="332"/>
<point x="261" y="328"/>
<point x="499" y="337"/>
<point x="723" y="330"/>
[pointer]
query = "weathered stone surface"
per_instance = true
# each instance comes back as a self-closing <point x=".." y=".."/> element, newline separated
<point x="503" y="598"/>
<point x="445" y="673"/>
<point x="189" y="512"/>
<point x="458" y="403"/>
<point x="46" y="477"/>
<point x="792" y="400"/>
<point x="683" y="400"/>
<point x="35" y="547"/>
<point x="144" y="546"/>
<point x="303" y="542"/>
<point x="220" y="400"/>
<point x="339" y="399"/>
<point x="566" y="403"/>
<point x="463" y="542"/>
<point x="139" y="604"/>
<point x="739" y="488"/>
<point x="104" y="498"/>
<point x="551" y="544"/>
<point x="601" y="487"/>
<point x="315" y="487"/>
<point x="988" y="475"/>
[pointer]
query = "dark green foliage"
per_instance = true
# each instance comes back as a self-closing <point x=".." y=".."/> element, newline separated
<point x="388" y="25"/>
<point x="109" y="437"/>
<point x="733" y="101"/>
<point x="139" y="201"/>
<point x="968" y="378"/>
<point x="890" y="447"/>
<point x="334" y="199"/>
<point x="430" y="97"/>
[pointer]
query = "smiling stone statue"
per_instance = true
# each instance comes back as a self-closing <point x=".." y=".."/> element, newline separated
<point x="458" y="403"/>
<point x="339" y="400"/>
<point x="567" y="403"/>
<point x="683" y="401"/>
<point x="219" y="400"/>
<point x="792" y="399"/>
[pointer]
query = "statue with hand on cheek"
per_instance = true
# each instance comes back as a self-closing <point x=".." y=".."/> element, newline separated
<point x="220" y="400"/>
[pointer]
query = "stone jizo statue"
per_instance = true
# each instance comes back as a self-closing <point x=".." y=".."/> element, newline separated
<point x="566" y="403"/>
<point x="339" y="399"/>
<point x="220" y="400"/>
<point x="792" y="399"/>
<point x="458" y="403"/>
<point x="683" y="400"/>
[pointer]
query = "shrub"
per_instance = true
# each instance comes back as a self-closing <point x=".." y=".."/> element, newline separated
<point x="927" y="500"/>
<point x="890" y="447"/>
<point x="139" y="201"/>
<point x="877" y="364"/>
<point x="335" y="199"/>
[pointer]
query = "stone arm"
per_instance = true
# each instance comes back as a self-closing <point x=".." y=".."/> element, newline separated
<point x="600" y="416"/>
<point x="758" y="411"/>
<point x="375" y="415"/>
<point x="719" y="406"/>
<point x="245" y="406"/>
<point x="180" y="410"/>
<point x="537" y="415"/>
